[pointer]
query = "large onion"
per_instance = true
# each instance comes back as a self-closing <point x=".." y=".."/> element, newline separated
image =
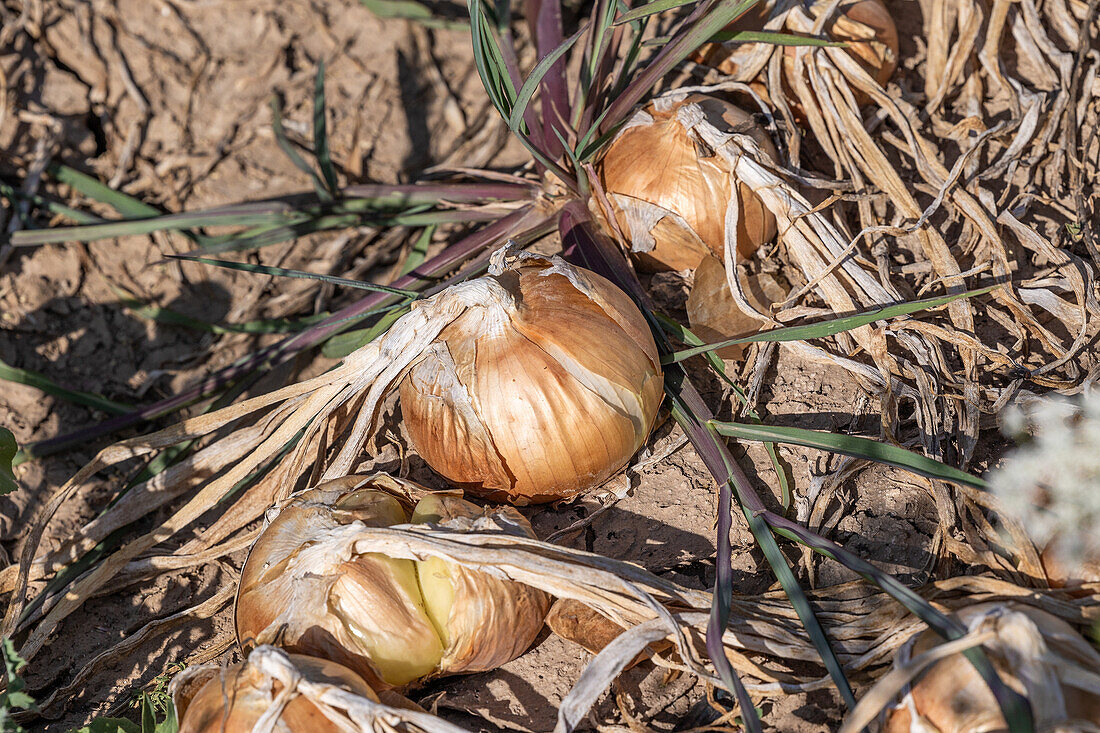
<point x="211" y="699"/>
<point x="671" y="195"/>
<point x="306" y="587"/>
<point x="1037" y="654"/>
<point x="540" y="390"/>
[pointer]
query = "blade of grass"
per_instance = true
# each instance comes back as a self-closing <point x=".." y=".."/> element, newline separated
<point x="830" y="327"/>
<point x="288" y="148"/>
<point x="851" y="445"/>
<point x="343" y="344"/>
<point x="320" y="132"/>
<point x="419" y="250"/>
<point x="414" y="11"/>
<point x="776" y="39"/>
<point x="283" y="272"/>
<point x="8" y="449"/>
<point x="41" y="382"/>
<point x="94" y="189"/>
<point x="652" y="8"/>
<point x="43" y="203"/>
<point x="267" y="236"/>
<point x="538" y="74"/>
<point x="489" y="61"/>
<point x="597" y="47"/>
<point x="270" y="213"/>
<point x="137" y="227"/>
<point x="495" y="77"/>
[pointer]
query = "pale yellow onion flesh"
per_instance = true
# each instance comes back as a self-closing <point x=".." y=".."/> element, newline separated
<point x="1034" y="652"/>
<point x="393" y="621"/>
<point x="233" y="699"/>
<point x="715" y="316"/>
<point x="670" y="197"/>
<point x="539" y="395"/>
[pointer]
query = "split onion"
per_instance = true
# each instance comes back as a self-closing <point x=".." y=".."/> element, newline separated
<point x="307" y="588"/>
<point x="1037" y="654"/>
<point x="715" y="316"/>
<point x="540" y="390"/>
<point x="212" y="699"/>
<point x="670" y="194"/>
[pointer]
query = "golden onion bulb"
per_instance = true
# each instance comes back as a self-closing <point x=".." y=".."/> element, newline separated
<point x="212" y="699"/>
<point x="305" y="587"/>
<point x="541" y="391"/>
<point x="715" y="316"/>
<point x="670" y="197"/>
<point x="1035" y="653"/>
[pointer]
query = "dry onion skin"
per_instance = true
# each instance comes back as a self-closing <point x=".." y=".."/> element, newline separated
<point x="212" y="699"/>
<point x="1034" y="652"/>
<point x="540" y="391"/>
<point x="865" y="25"/>
<point x="715" y="316"/>
<point x="670" y="196"/>
<point x="306" y="588"/>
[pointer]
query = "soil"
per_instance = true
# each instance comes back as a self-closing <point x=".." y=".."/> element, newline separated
<point x="169" y="101"/>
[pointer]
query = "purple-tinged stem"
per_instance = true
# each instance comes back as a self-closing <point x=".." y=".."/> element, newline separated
<point x="544" y="17"/>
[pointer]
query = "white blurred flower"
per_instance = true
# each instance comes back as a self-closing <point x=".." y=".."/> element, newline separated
<point x="1051" y="484"/>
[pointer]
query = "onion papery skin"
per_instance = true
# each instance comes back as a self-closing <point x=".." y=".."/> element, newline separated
<point x="232" y="700"/>
<point x="1031" y="652"/>
<point x="541" y="392"/>
<point x="306" y="588"/>
<point x="670" y="196"/>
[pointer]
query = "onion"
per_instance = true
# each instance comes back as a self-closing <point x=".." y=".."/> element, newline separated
<point x="1037" y="654"/>
<point x="670" y="194"/>
<point x="210" y="699"/>
<point x="588" y="628"/>
<point x="541" y="389"/>
<point x="715" y="316"/>
<point x="306" y="588"/>
<point x="1070" y="573"/>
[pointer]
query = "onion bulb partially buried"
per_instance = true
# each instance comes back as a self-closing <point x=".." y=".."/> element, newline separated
<point x="715" y="316"/>
<point x="213" y="699"/>
<point x="309" y="587"/>
<point x="539" y="391"/>
<point x="1037" y="654"/>
<point x="670" y="194"/>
